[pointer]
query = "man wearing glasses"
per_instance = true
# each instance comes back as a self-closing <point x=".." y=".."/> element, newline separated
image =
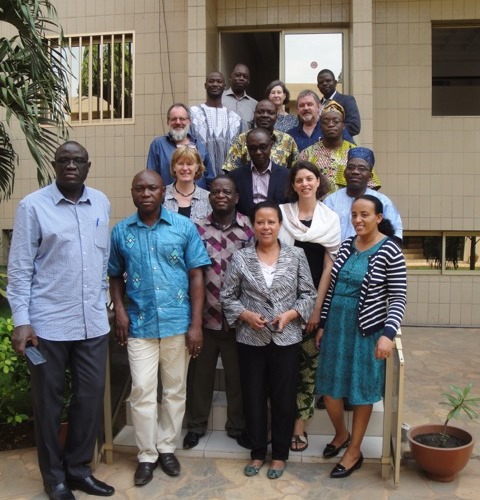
<point x="57" y="288"/>
<point x="162" y="148"/>
<point x="261" y="178"/>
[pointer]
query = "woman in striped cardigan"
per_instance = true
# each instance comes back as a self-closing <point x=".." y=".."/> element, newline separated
<point x="361" y="314"/>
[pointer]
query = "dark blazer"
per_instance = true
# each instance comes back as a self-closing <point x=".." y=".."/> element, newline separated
<point x="352" y="114"/>
<point x="276" y="187"/>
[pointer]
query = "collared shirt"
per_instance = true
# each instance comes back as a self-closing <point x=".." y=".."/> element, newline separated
<point x="160" y="155"/>
<point x="284" y="151"/>
<point x="220" y="244"/>
<point x="332" y="163"/>
<point x="302" y="140"/>
<point x="260" y="182"/>
<point x="200" y="206"/>
<point x="58" y="264"/>
<point x="157" y="260"/>
<point x="341" y="204"/>
<point x="243" y="106"/>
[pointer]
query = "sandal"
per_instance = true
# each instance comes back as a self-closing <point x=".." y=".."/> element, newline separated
<point x="299" y="443"/>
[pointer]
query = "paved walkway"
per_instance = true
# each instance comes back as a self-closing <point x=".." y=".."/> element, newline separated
<point x="435" y="358"/>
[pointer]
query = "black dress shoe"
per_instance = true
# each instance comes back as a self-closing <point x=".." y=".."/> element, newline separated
<point x="243" y="440"/>
<point x="169" y="464"/>
<point x="91" y="486"/>
<point x="191" y="440"/>
<point x="144" y="473"/>
<point x="58" y="492"/>
<point x="339" y="471"/>
<point x="331" y="451"/>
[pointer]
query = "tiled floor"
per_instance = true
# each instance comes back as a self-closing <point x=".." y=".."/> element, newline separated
<point x="435" y="358"/>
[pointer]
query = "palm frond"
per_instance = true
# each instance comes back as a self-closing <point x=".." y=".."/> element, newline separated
<point x="33" y="86"/>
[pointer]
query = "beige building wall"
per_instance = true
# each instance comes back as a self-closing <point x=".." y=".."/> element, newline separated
<point x="428" y="165"/>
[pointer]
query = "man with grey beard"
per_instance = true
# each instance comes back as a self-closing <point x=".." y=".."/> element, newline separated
<point x="162" y="148"/>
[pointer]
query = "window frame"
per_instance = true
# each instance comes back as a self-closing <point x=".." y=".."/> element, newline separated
<point x="90" y="40"/>
<point x="442" y="270"/>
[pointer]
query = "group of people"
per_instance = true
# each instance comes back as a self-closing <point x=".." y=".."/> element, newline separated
<point x="272" y="250"/>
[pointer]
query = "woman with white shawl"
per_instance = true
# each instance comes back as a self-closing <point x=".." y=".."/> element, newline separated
<point x="309" y="224"/>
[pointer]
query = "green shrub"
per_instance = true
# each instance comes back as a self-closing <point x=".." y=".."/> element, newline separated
<point x="14" y="378"/>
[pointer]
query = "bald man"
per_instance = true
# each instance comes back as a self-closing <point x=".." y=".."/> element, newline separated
<point x="163" y="257"/>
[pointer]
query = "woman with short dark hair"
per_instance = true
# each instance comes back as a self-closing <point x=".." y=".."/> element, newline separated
<point x="267" y="294"/>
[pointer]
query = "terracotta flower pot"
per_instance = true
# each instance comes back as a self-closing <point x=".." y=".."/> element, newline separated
<point x="440" y="464"/>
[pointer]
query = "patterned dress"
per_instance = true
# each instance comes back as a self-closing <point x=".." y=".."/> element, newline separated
<point x="332" y="163"/>
<point x="347" y="363"/>
<point x="285" y="122"/>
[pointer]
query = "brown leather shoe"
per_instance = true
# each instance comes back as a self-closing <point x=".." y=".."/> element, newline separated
<point x="144" y="473"/>
<point x="169" y="464"/>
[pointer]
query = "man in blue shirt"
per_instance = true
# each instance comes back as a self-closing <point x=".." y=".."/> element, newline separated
<point x="57" y="288"/>
<point x="162" y="148"/>
<point x="358" y="173"/>
<point x="162" y="257"/>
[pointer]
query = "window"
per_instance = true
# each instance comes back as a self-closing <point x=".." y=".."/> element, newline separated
<point x="442" y="251"/>
<point x="305" y="54"/>
<point x="101" y="83"/>
<point x="455" y="70"/>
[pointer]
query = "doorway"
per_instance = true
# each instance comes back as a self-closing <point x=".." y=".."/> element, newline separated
<point x="259" y="50"/>
<point x="292" y="56"/>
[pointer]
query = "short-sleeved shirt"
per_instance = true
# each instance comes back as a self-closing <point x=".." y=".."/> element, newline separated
<point x="157" y="260"/>
<point x="220" y="245"/>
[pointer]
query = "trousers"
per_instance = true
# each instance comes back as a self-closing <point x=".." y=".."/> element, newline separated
<point x="156" y="431"/>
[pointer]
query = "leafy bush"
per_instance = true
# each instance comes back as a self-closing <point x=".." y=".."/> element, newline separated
<point x="14" y="377"/>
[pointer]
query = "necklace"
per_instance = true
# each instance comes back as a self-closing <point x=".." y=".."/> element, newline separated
<point x="183" y="194"/>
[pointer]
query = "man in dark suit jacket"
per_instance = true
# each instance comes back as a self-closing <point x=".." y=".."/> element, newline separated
<point x="327" y="85"/>
<point x="259" y="179"/>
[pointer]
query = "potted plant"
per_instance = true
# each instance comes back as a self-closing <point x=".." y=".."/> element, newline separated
<point x="442" y="450"/>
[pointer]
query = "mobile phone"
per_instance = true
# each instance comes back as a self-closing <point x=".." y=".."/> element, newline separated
<point x="273" y="327"/>
<point x="34" y="355"/>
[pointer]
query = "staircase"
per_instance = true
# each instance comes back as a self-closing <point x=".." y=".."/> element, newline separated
<point x="216" y="443"/>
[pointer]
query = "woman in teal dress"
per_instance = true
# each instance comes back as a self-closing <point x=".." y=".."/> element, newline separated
<point x="361" y="314"/>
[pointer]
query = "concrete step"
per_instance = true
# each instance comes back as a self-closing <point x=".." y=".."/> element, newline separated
<point x="216" y="443"/>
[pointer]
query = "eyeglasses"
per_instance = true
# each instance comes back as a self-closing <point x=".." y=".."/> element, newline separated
<point x="360" y="168"/>
<point x="64" y="162"/>
<point x="262" y="147"/>
<point x="187" y="146"/>
<point x="226" y="192"/>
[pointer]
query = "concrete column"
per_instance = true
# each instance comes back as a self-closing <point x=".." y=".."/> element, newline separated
<point x="361" y="57"/>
